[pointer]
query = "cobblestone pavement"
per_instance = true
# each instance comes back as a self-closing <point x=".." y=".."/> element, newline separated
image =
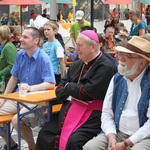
<point x="24" y="145"/>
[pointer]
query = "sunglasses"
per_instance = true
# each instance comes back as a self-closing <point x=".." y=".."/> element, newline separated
<point x="32" y="13"/>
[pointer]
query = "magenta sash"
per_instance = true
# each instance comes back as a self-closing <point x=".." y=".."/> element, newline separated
<point x="78" y="113"/>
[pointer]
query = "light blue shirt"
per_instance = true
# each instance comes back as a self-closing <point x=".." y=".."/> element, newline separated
<point x="34" y="70"/>
<point x="50" y="49"/>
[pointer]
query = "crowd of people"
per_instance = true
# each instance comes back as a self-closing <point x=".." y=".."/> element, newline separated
<point x="106" y="99"/>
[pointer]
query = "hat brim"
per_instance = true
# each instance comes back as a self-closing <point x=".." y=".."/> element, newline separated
<point x="125" y="50"/>
<point x="78" y="18"/>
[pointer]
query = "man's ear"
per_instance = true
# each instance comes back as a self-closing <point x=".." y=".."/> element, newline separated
<point x="94" y="46"/>
<point x="142" y="63"/>
<point x="36" y="40"/>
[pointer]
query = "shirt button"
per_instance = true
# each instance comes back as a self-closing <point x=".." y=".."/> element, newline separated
<point x="26" y="78"/>
<point x="118" y="115"/>
<point x="29" y="61"/>
<point x="120" y="108"/>
<point x="28" y="69"/>
<point x="123" y="102"/>
<point x="91" y="108"/>
<point x="125" y="93"/>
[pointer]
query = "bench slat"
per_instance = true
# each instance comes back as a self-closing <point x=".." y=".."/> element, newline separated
<point x="56" y="108"/>
<point x="6" y="118"/>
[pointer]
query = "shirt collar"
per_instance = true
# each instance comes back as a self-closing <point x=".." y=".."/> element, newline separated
<point x="35" y="54"/>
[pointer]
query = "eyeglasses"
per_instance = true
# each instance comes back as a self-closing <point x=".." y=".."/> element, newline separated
<point x="32" y="13"/>
<point x="126" y="57"/>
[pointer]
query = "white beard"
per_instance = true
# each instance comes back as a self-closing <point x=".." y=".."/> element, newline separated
<point x="123" y="70"/>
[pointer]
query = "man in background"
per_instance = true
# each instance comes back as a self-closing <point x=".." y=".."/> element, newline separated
<point x="37" y="20"/>
<point x="76" y="26"/>
<point x="44" y="13"/>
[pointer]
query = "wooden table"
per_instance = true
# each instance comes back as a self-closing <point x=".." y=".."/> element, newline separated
<point x="69" y="63"/>
<point x="37" y="99"/>
<point x="32" y="98"/>
<point x="112" y="53"/>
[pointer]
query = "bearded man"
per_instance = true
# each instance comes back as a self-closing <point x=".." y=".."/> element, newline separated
<point x="126" y="110"/>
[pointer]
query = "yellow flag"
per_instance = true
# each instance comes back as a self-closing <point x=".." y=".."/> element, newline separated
<point x="120" y="6"/>
<point x="74" y="2"/>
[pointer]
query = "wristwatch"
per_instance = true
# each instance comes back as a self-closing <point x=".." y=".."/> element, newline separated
<point x="126" y="145"/>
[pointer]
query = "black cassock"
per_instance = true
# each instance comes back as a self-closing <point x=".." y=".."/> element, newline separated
<point x="86" y="82"/>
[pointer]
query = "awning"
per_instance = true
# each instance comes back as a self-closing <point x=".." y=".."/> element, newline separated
<point x="21" y="2"/>
<point x="118" y="2"/>
<point x="144" y="1"/>
<point x="59" y="1"/>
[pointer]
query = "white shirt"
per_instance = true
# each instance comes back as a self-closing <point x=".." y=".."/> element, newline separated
<point x="31" y="22"/>
<point x="129" y="121"/>
<point x="39" y="22"/>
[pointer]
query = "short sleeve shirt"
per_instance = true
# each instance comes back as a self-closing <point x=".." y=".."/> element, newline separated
<point x="34" y="70"/>
<point x="135" y="30"/>
<point x="54" y="51"/>
<point x="76" y="28"/>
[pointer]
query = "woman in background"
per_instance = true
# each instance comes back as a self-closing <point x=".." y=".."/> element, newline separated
<point x="4" y="19"/>
<point x="138" y="27"/>
<point x="70" y="15"/>
<point x="8" y="53"/>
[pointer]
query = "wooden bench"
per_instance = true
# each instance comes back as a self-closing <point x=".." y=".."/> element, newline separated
<point x="56" y="108"/>
<point x="7" y="119"/>
<point x="69" y="63"/>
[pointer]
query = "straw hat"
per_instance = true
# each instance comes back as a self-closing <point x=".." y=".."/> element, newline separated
<point x="137" y="45"/>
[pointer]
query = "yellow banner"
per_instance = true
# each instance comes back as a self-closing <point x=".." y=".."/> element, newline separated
<point x="74" y="2"/>
<point x="120" y="6"/>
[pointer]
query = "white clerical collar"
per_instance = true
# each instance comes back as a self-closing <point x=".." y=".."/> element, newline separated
<point x="93" y="58"/>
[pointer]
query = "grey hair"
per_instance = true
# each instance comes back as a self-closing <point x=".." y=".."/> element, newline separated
<point x="90" y="41"/>
<point x="110" y="28"/>
<point x="35" y="9"/>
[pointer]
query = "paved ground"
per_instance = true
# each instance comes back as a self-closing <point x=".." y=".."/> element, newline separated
<point x="24" y="145"/>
